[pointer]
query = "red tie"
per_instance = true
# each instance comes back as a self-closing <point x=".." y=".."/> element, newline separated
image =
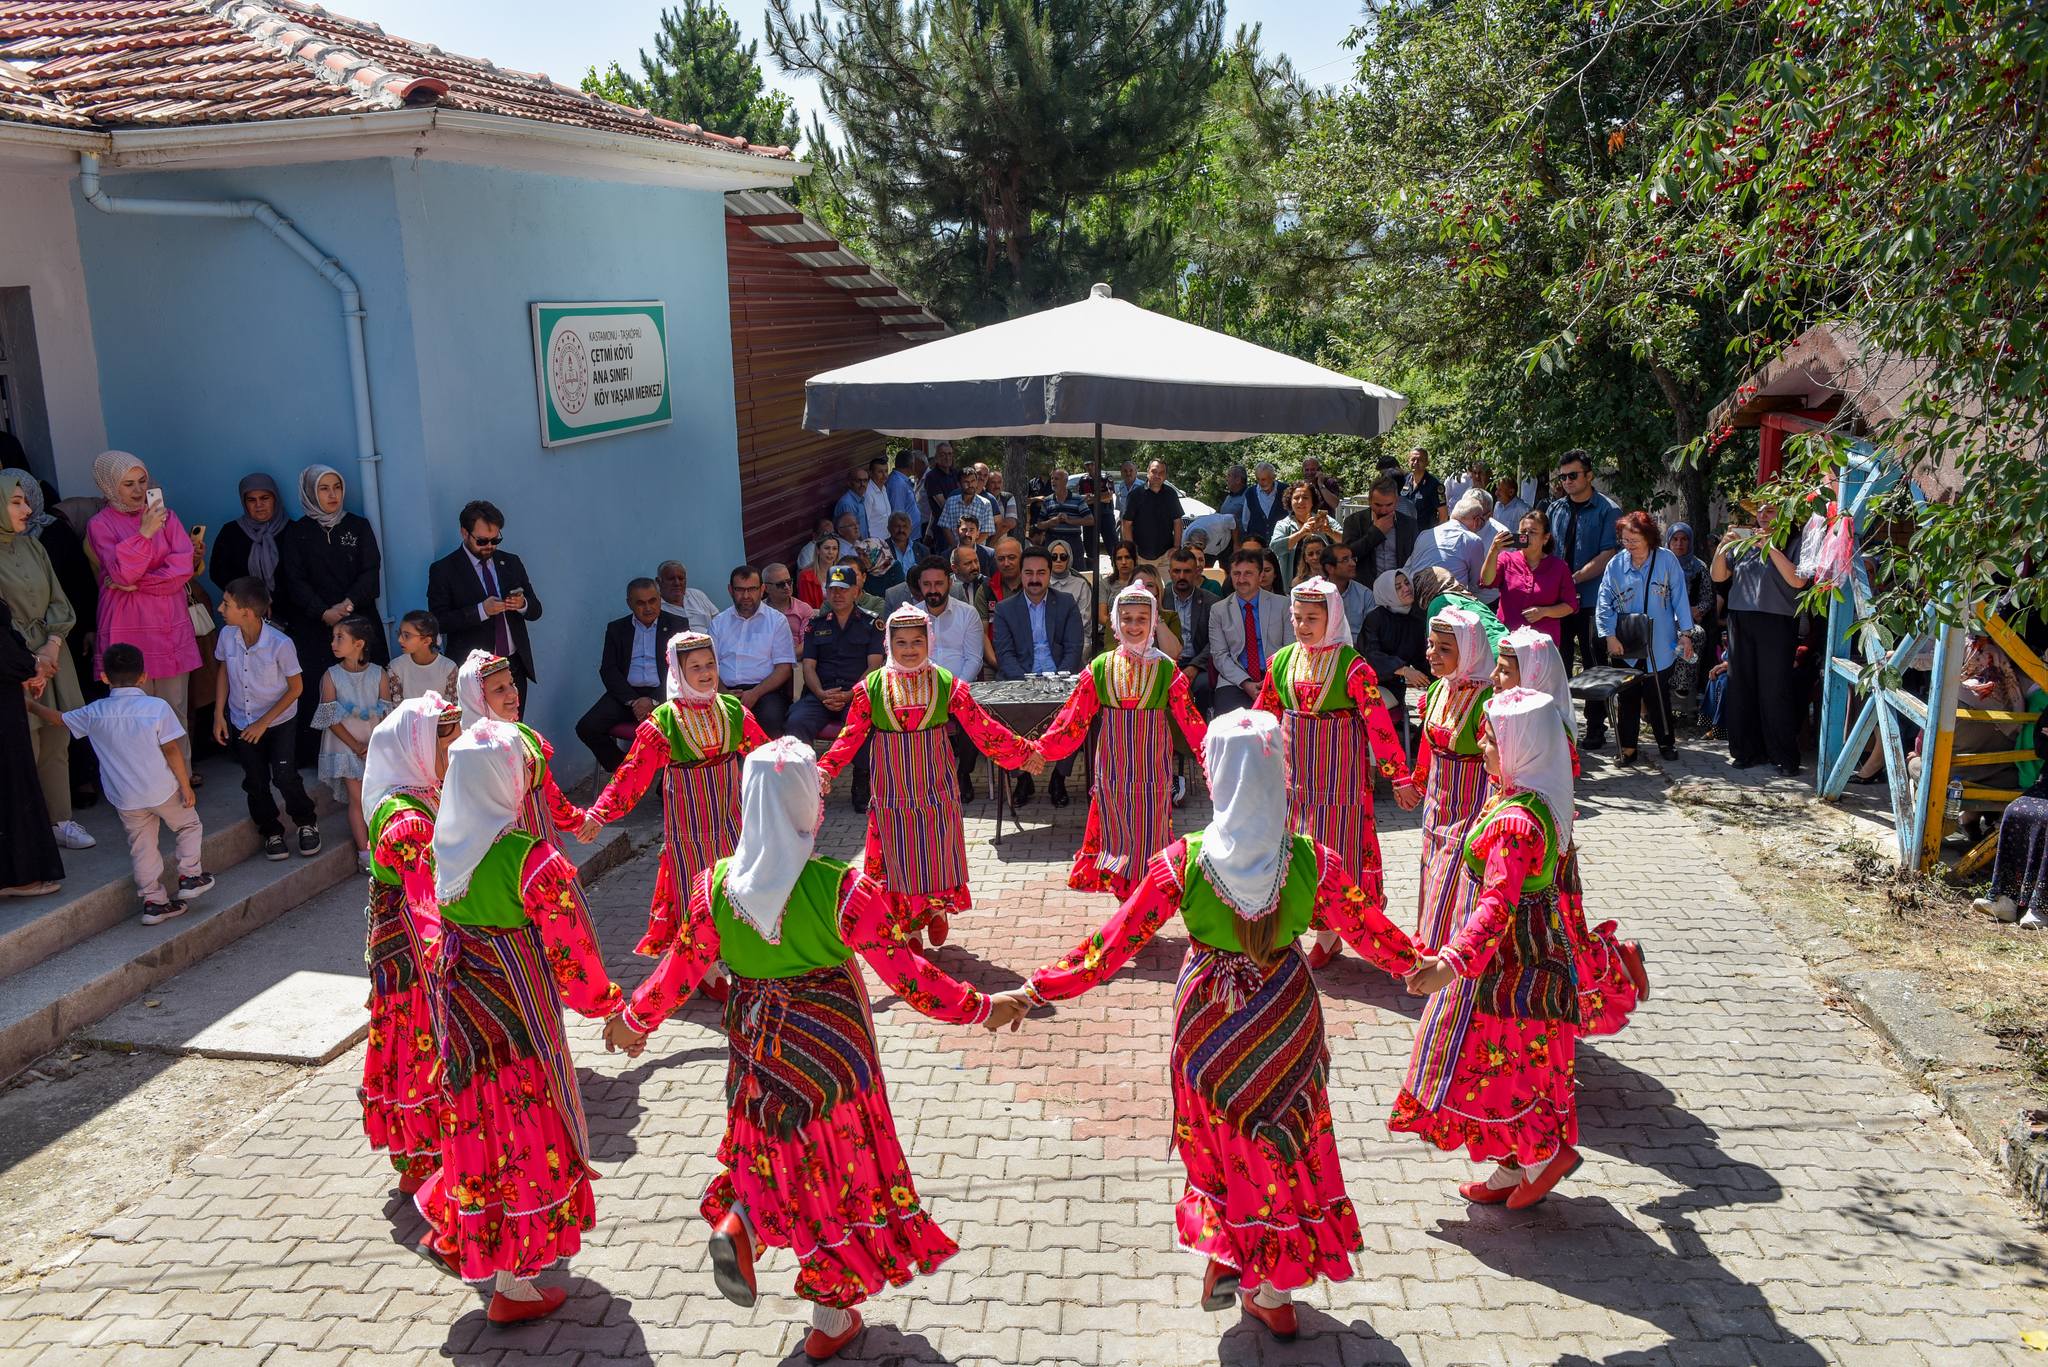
<point x="1254" y="657"/>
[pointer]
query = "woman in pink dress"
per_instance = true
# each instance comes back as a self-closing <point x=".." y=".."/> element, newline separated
<point x="512" y="1196"/>
<point x="810" y="1160"/>
<point x="145" y="560"/>
<point x="1536" y="588"/>
<point x="1265" y="1204"/>
<point x="1134" y="689"/>
<point x="1492" y="1067"/>
<point x="401" y="792"/>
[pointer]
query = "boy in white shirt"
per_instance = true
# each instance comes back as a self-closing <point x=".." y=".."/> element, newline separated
<point x="143" y="774"/>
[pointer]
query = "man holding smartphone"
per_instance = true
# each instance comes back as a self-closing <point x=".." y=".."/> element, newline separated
<point x="482" y="597"/>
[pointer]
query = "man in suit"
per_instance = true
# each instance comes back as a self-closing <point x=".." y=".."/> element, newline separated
<point x="1245" y="631"/>
<point x="481" y="596"/>
<point x="1382" y="534"/>
<point x="631" y="666"/>
<point x="1188" y="598"/>
<point x="1038" y="631"/>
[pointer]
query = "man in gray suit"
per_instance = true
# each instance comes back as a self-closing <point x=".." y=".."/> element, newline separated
<point x="1245" y="631"/>
<point x="1038" y="631"/>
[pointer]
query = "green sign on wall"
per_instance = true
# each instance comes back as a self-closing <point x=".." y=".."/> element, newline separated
<point x="601" y="369"/>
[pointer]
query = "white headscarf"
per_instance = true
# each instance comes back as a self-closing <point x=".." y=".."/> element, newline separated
<point x="1535" y="757"/>
<point x="1387" y="593"/>
<point x="1536" y="655"/>
<point x="469" y="689"/>
<point x="1135" y="592"/>
<point x="109" y="468"/>
<point x="309" y="495"/>
<point x="402" y="751"/>
<point x="679" y="645"/>
<point x="780" y="809"/>
<point x="1336" y="630"/>
<point x="908" y="615"/>
<point x="1475" y="652"/>
<point x="488" y="777"/>
<point x="1244" y="849"/>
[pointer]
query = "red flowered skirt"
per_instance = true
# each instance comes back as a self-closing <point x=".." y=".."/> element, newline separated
<point x="1607" y="995"/>
<point x="399" y="1098"/>
<point x="1510" y="1093"/>
<point x="1088" y="874"/>
<point x="512" y="1192"/>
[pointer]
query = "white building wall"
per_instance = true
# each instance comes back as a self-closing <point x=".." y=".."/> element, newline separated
<point x="39" y="249"/>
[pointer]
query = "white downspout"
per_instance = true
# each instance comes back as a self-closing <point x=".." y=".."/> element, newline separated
<point x="367" y="459"/>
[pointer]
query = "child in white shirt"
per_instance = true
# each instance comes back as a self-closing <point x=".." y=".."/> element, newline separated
<point x="420" y="668"/>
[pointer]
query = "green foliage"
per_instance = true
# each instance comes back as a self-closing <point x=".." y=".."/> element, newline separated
<point x="701" y="73"/>
<point x="1881" y="169"/>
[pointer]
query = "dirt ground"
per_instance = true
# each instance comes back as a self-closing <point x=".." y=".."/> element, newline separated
<point x="88" y="1132"/>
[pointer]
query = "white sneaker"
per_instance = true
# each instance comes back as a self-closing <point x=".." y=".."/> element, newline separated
<point x="2033" y="920"/>
<point x="73" y="836"/>
<point x="1998" y="908"/>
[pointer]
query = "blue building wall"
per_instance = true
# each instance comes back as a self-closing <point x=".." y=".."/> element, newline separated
<point x="220" y="352"/>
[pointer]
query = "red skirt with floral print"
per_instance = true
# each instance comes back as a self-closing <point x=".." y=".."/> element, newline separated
<point x="398" y="1093"/>
<point x="1510" y="1094"/>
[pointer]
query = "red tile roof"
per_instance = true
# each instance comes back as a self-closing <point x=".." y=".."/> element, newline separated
<point x="108" y="64"/>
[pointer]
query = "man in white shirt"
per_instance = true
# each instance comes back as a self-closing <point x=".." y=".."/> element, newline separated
<point x="1473" y="476"/>
<point x="678" y="599"/>
<point x="875" y="505"/>
<point x="1211" y="535"/>
<point x="1456" y="545"/>
<point x="755" y="660"/>
<point x="1342" y="563"/>
<point x="1511" y="500"/>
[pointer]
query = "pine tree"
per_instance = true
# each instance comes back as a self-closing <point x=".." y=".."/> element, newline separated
<point x="700" y="72"/>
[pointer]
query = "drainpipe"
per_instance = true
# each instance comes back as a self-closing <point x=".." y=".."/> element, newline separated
<point x="367" y="459"/>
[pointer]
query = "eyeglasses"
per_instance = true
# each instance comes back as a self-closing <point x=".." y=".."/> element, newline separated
<point x="1570" y="476"/>
<point x="488" y="540"/>
<point x="775" y="583"/>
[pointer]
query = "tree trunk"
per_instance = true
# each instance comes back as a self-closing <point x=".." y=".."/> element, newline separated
<point x="1695" y="478"/>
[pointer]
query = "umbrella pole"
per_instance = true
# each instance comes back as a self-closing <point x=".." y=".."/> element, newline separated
<point x="1093" y="541"/>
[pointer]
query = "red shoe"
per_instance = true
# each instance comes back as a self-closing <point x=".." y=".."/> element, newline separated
<point x="717" y="991"/>
<point x="1279" y="1318"/>
<point x="1479" y="1194"/>
<point x="818" y="1345"/>
<point x="936" y="930"/>
<point x="1219" y="1286"/>
<point x="505" y="1310"/>
<point x="1632" y="964"/>
<point x="1534" y="1189"/>
<point x="732" y="1260"/>
<point x="1321" y="956"/>
<point x="440" y="1249"/>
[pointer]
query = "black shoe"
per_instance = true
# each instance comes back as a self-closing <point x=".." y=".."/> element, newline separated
<point x="156" y="913"/>
<point x="1021" y="790"/>
<point x="1595" y="740"/>
<point x="194" y="887"/>
<point x="273" y="847"/>
<point x="1788" y="770"/>
<point x="860" y="795"/>
<point x="309" y="841"/>
<point x="1860" y="780"/>
<point x="1668" y="751"/>
<point x="1735" y="763"/>
<point x="1626" y="758"/>
<point x="1058" y="789"/>
<point x="966" y="787"/>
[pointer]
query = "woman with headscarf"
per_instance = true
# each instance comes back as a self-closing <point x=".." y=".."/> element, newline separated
<point x="1337" y="733"/>
<point x="401" y="1101"/>
<point x="512" y="1195"/>
<point x="1436" y="588"/>
<point x="145" y="560"/>
<point x="1265" y="1203"/>
<point x="80" y="582"/>
<point x="810" y="1160"/>
<point x="328" y="560"/>
<point x="1491" y="1070"/>
<point x="1448" y="769"/>
<point x="1611" y="975"/>
<point x="29" y="863"/>
<point x="916" y="842"/>
<point x="695" y="741"/>
<point x="44" y="617"/>
<point x="1394" y="639"/>
<point x="251" y="545"/>
<point x="1134" y="688"/>
<point x="486" y="690"/>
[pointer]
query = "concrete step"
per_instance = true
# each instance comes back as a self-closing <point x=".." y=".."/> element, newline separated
<point x="99" y="890"/>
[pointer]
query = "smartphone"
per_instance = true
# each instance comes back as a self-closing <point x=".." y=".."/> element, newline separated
<point x="198" y="531"/>
<point x="155" y="500"/>
<point x="1520" y="542"/>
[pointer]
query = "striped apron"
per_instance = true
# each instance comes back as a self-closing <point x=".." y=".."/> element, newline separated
<point x="1250" y="1043"/>
<point x="915" y="812"/>
<point x="800" y="1046"/>
<point x="1134" y="777"/>
<point x="700" y="816"/>
<point x="1457" y="789"/>
<point x="1329" y="788"/>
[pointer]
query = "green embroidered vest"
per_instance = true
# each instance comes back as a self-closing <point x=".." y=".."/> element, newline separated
<point x="1546" y="872"/>
<point x="493" y="898"/>
<point x="883" y="719"/>
<point x="810" y="926"/>
<point x="681" y="749"/>
<point x="1210" y="919"/>
<point x="388" y="808"/>
<point x="1292" y="658"/>
<point x="1105" y="691"/>
<point x="1466" y="739"/>
<point x="540" y="754"/>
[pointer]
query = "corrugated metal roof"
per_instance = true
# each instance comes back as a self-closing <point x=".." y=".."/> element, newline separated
<point x="106" y="64"/>
<point x="834" y="263"/>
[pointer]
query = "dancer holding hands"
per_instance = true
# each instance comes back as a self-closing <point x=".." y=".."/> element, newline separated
<point x="488" y="691"/>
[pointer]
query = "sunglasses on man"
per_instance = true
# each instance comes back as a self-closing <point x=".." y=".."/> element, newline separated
<point x="488" y="540"/>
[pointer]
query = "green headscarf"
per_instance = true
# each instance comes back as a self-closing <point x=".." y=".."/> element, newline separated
<point x="33" y="595"/>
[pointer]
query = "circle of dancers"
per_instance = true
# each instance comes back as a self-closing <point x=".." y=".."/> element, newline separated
<point x="479" y="938"/>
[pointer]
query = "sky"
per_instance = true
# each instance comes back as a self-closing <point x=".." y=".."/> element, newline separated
<point x="566" y="40"/>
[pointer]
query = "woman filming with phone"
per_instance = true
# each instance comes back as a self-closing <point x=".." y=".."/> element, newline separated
<point x="145" y="559"/>
<point x="1536" y="588"/>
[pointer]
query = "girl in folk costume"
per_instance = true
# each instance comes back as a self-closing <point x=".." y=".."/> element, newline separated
<point x="401" y="790"/>
<point x="810" y="1157"/>
<point x="487" y="691"/>
<point x="916" y="844"/>
<point x="1448" y="769"/>
<point x="1336" y="726"/>
<point x="695" y="740"/>
<point x="1133" y="688"/>
<point x="1610" y="970"/>
<point x="1265" y="1200"/>
<point x="1492" y="1067"/>
<point x="512" y="1196"/>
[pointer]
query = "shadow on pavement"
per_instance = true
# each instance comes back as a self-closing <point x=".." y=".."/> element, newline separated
<point x="876" y="1343"/>
<point x="593" y="1319"/>
<point x="1323" y="1340"/>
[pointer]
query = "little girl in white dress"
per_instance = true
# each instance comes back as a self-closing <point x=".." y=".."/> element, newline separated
<point x="351" y="704"/>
